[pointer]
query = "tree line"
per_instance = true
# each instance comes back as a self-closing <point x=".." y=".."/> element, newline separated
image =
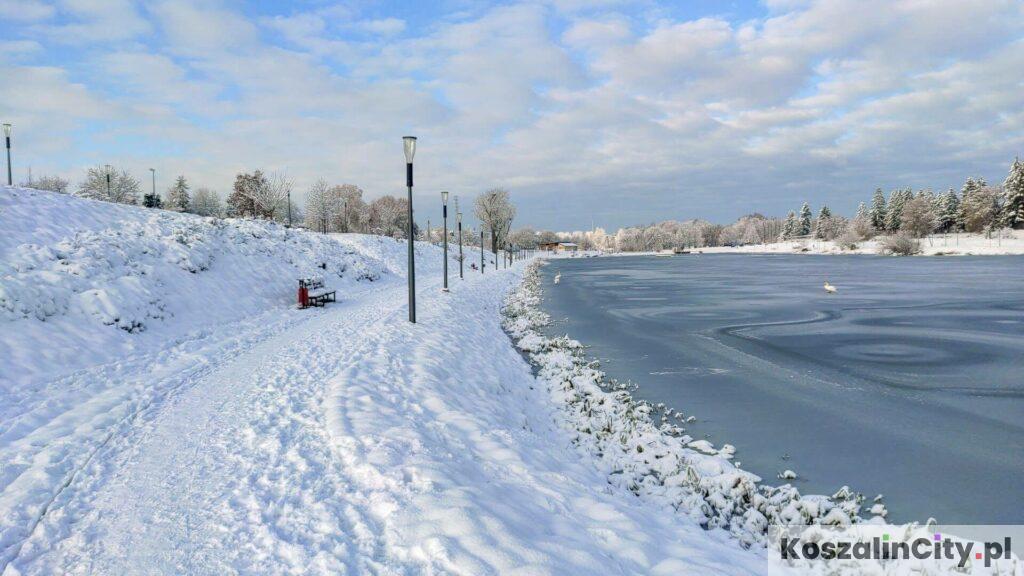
<point x="327" y="208"/>
<point x="977" y="208"/>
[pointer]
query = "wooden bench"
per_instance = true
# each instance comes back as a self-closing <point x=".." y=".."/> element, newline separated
<point x="317" y="294"/>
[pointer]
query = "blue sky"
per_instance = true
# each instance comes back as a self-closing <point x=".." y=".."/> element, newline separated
<point x="608" y="112"/>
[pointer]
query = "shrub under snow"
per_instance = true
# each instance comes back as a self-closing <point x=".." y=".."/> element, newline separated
<point x="899" y="245"/>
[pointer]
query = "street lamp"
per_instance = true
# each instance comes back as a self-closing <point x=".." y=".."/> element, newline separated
<point x="289" y="207"/>
<point x="152" y="171"/>
<point x="107" y="169"/>
<point x="7" y="137"/>
<point x="482" y="263"/>
<point x="444" y="217"/>
<point x="458" y="218"/>
<point x="409" y="143"/>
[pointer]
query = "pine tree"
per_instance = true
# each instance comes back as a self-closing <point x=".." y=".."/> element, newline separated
<point x="1013" y="189"/>
<point x="823" y="224"/>
<point x="862" y="211"/>
<point x="178" y="196"/>
<point x="970" y="187"/>
<point x="894" y="214"/>
<point x="879" y="210"/>
<point x="949" y="211"/>
<point x="789" y="227"/>
<point x="804" y="224"/>
<point x="151" y="200"/>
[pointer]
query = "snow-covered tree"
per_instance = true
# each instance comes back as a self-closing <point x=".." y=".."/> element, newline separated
<point x="860" y="228"/>
<point x="389" y="216"/>
<point x="879" y="211"/>
<point x="177" y="197"/>
<point x="918" y="216"/>
<point x="789" y="227"/>
<point x="107" y="183"/>
<point x="349" y="212"/>
<point x="206" y="202"/>
<point x="804" y="221"/>
<point x="981" y="208"/>
<point x="51" y="183"/>
<point x="949" y="210"/>
<point x="823" y="224"/>
<point x="495" y="212"/>
<point x="318" y="206"/>
<point x="259" y="196"/>
<point x="894" y="211"/>
<point x="1013" y="192"/>
<point x="240" y="203"/>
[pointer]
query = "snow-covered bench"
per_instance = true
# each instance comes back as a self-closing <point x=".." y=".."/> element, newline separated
<point x="317" y="294"/>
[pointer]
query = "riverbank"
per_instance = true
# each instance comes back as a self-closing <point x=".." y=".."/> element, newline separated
<point x="1010" y="242"/>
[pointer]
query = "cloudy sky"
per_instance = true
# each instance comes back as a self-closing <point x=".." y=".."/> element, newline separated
<point x="608" y="112"/>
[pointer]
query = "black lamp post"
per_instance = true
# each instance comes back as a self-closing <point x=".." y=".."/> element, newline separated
<point x="152" y="172"/>
<point x="7" y="137"/>
<point x="410" y="151"/>
<point x="482" y="263"/>
<point x="458" y="218"/>
<point x="289" y="208"/>
<point x="107" y="168"/>
<point x="444" y="217"/>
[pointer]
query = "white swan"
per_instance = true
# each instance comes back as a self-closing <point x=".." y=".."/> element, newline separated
<point x="558" y="278"/>
<point x="830" y="288"/>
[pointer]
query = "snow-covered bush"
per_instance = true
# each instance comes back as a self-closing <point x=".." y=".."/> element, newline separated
<point x="899" y="245"/>
<point x="848" y="240"/>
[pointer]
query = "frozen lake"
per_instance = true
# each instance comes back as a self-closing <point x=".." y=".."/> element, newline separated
<point x="909" y="382"/>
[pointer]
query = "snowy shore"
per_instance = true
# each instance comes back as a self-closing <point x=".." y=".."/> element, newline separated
<point x="1008" y="242"/>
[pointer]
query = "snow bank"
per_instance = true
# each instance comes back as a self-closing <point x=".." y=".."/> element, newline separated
<point x="85" y="281"/>
<point x="654" y="459"/>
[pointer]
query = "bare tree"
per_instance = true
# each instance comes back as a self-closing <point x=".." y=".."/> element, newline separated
<point x="349" y="212"/>
<point x="495" y="213"/>
<point x="318" y="209"/>
<point x="389" y="216"/>
<point x="51" y="183"/>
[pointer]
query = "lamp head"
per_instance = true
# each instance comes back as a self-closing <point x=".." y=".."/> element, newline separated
<point x="458" y="217"/>
<point x="7" y="130"/>
<point x="410" y="148"/>
<point x="444" y="197"/>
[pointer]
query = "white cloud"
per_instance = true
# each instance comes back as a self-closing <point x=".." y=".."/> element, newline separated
<point x="25" y="10"/>
<point x="383" y="26"/>
<point x="817" y="100"/>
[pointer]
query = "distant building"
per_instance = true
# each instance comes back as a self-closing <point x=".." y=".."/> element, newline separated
<point x="559" y="246"/>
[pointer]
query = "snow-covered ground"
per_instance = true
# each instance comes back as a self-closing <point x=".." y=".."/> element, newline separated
<point x="164" y="408"/>
<point x="962" y="244"/>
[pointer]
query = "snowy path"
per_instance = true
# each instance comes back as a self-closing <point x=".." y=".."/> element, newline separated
<point x="354" y="442"/>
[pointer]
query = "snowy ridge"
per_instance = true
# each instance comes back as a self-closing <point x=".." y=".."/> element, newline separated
<point x="659" y="463"/>
<point x="85" y="265"/>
